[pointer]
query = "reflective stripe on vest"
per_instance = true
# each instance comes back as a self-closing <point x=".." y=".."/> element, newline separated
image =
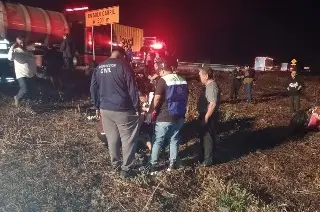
<point x="174" y="79"/>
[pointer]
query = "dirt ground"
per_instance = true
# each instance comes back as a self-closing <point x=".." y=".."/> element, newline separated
<point x="53" y="161"/>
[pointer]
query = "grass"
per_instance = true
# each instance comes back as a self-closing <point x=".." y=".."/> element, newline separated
<point x="52" y="161"/>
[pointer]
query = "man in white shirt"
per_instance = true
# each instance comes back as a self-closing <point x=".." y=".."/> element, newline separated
<point x="25" y="69"/>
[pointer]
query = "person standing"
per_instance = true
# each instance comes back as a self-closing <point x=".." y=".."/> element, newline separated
<point x="129" y="54"/>
<point x="248" y="82"/>
<point x="237" y="80"/>
<point x="54" y="64"/>
<point x="68" y="50"/>
<point x="294" y="89"/>
<point x="25" y="69"/>
<point x="208" y="108"/>
<point x="114" y="91"/>
<point x="172" y="61"/>
<point x="168" y="110"/>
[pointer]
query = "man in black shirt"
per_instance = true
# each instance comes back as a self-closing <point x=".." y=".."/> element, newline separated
<point x="208" y="108"/>
<point x="54" y="63"/>
<point x="237" y="80"/>
<point x="114" y="91"/>
<point x="68" y="50"/>
<point x="168" y="108"/>
<point x="294" y="88"/>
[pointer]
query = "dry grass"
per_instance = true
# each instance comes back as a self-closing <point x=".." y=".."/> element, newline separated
<point x="52" y="161"/>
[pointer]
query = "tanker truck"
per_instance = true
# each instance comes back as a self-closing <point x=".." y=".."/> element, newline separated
<point x="41" y="27"/>
<point x="32" y="23"/>
<point x="37" y="26"/>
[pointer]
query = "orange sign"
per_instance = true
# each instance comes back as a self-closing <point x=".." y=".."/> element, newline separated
<point x="101" y="17"/>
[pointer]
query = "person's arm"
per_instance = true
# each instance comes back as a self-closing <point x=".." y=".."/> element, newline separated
<point x="300" y="84"/>
<point x="212" y="99"/>
<point x="158" y="95"/>
<point x="211" y="108"/>
<point x="11" y="54"/>
<point x="132" y="87"/>
<point x="63" y="46"/>
<point x="94" y="90"/>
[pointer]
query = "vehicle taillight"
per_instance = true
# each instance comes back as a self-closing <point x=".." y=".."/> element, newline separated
<point x="156" y="46"/>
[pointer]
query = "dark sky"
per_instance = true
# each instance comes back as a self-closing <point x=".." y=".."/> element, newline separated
<point x="224" y="31"/>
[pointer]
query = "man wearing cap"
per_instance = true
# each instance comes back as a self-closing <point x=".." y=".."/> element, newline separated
<point x="114" y="91"/>
<point x="168" y="111"/>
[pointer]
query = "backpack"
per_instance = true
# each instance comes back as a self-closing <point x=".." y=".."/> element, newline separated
<point x="176" y="95"/>
<point x="299" y="121"/>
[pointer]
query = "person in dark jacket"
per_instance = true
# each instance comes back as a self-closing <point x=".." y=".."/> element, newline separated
<point x="67" y="48"/>
<point x="114" y="91"/>
<point x="237" y="80"/>
<point x="54" y="63"/>
<point x="294" y="89"/>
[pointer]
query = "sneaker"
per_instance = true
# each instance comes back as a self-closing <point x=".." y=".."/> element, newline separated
<point x="174" y="166"/>
<point x="127" y="174"/>
<point x="116" y="168"/>
<point x="149" y="169"/>
<point x="206" y="163"/>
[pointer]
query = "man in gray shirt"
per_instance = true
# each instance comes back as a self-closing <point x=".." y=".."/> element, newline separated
<point x="208" y="107"/>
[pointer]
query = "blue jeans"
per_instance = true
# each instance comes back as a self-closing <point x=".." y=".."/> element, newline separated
<point x="248" y="90"/>
<point x="163" y="131"/>
<point x="27" y="88"/>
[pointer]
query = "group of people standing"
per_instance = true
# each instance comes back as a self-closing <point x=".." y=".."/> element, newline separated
<point x="246" y="77"/>
<point x="241" y="77"/>
<point x="116" y="94"/>
<point x="26" y="69"/>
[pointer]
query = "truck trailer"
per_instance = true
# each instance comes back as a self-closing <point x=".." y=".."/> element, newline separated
<point x="263" y="64"/>
<point x="44" y="27"/>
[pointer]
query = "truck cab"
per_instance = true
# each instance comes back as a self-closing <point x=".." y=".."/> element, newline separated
<point x="6" y="66"/>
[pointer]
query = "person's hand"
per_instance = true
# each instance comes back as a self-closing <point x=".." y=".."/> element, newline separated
<point x="98" y="115"/>
<point x="203" y="121"/>
<point x="151" y="117"/>
<point x="15" y="45"/>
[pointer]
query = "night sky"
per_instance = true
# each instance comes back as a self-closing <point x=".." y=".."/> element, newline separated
<point x="222" y="31"/>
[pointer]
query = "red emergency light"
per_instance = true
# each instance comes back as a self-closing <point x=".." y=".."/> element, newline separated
<point x="115" y="44"/>
<point x="156" y="46"/>
<point x="77" y="9"/>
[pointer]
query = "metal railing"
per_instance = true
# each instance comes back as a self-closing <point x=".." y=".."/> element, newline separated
<point x="186" y="66"/>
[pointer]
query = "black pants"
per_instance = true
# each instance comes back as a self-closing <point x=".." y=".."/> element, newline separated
<point x="68" y="63"/>
<point x="295" y="103"/>
<point x="235" y="86"/>
<point x="27" y="88"/>
<point x="207" y="135"/>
